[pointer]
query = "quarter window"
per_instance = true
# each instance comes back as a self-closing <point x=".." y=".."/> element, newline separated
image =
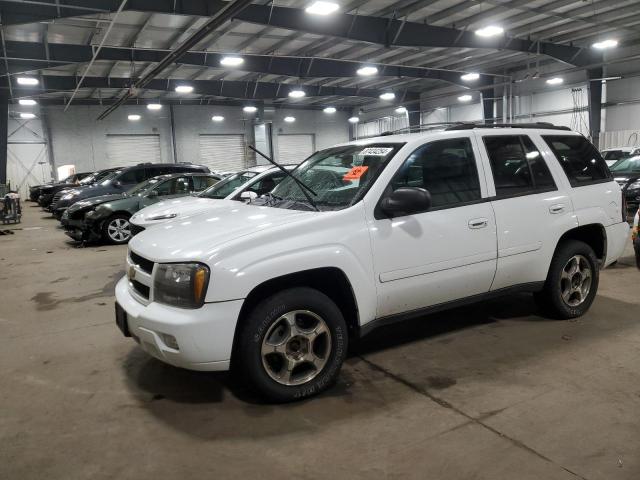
<point x="580" y="160"/>
<point x="446" y="168"/>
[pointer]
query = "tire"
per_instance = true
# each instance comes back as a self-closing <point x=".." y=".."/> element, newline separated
<point x="569" y="291"/>
<point x="116" y="229"/>
<point x="276" y="358"/>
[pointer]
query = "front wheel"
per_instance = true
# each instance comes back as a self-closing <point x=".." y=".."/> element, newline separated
<point x="292" y="344"/>
<point x="117" y="229"/>
<point x="572" y="282"/>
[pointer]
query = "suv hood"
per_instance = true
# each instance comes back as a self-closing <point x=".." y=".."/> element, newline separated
<point x="198" y="237"/>
<point x="175" y="208"/>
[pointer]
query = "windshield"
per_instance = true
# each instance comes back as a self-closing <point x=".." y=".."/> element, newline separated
<point x="107" y="178"/>
<point x="140" y="188"/>
<point x="224" y="187"/>
<point x="627" y="165"/>
<point x="615" y="154"/>
<point x="338" y="176"/>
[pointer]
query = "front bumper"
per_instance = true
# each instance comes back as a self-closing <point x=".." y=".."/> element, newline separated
<point x="80" y="229"/>
<point x="204" y="335"/>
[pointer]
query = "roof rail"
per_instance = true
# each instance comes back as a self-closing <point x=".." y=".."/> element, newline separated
<point x="469" y="126"/>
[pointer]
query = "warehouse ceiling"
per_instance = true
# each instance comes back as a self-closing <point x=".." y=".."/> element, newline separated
<point x="415" y="45"/>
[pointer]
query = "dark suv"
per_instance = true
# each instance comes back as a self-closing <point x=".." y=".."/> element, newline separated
<point x="72" y="180"/>
<point x="50" y="193"/>
<point x="122" y="180"/>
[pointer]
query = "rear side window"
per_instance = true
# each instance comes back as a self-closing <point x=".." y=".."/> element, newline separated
<point x="133" y="176"/>
<point x="517" y="165"/>
<point x="446" y="168"/>
<point x="580" y="160"/>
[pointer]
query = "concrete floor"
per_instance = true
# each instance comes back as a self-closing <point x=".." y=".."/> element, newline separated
<point x="487" y="392"/>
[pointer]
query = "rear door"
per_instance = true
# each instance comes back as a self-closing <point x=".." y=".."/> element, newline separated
<point x="531" y="210"/>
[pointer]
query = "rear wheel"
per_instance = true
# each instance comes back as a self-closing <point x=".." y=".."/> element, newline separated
<point x="292" y="344"/>
<point x="116" y="229"/>
<point x="572" y="282"/>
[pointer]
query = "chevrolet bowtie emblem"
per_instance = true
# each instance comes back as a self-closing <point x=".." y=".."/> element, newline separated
<point x="132" y="272"/>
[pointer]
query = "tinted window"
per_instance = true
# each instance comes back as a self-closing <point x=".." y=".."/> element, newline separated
<point x="133" y="176"/>
<point x="175" y="186"/>
<point x="202" y="182"/>
<point x="615" y="154"/>
<point x="446" y="168"/>
<point x="517" y="165"/>
<point x="580" y="160"/>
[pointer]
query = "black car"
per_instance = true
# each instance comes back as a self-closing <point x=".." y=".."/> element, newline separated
<point x="48" y="193"/>
<point x="627" y="173"/>
<point x="107" y="217"/>
<point x="73" y="180"/>
<point x="120" y="181"/>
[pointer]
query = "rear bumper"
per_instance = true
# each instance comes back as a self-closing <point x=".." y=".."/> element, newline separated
<point x="617" y="237"/>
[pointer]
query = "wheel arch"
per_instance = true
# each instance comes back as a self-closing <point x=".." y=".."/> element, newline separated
<point x="593" y="234"/>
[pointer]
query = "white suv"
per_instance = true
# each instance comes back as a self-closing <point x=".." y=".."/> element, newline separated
<point x="383" y="229"/>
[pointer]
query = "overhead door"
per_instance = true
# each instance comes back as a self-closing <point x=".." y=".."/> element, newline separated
<point x="125" y="150"/>
<point x="293" y="149"/>
<point x="223" y="152"/>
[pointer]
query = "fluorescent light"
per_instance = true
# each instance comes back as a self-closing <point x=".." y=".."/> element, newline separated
<point x="465" y="98"/>
<point x="27" y="116"/>
<point x="154" y="106"/>
<point x="330" y="110"/>
<point x="296" y="93"/>
<point x="27" y="81"/>
<point x="401" y="110"/>
<point x="604" y="44"/>
<point x="322" y="8"/>
<point x="490" y="31"/>
<point x="367" y="71"/>
<point x="217" y="118"/>
<point x="469" y="77"/>
<point x="289" y="119"/>
<point x="555" y="81"/>
<point x="134" y="117"/>
<point x="387" y="96"/>
<point x="27" y="102"/>
<point x="184" y="89"/>
<point x="250" y="109"/>
<point x="231" y="61"/>
<point x="354" y="119"/>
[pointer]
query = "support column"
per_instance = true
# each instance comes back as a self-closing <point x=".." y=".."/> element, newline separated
<point x="487" y="97"/>
<point x="4" y="132"/>
<point x="414" y="119"/>
<point x="595" y="104"/>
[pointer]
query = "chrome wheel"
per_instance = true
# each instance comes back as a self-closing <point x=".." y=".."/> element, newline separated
<point x="119" y="230"/>
<point x="296" y="347"/>
<point x="575" y="280"/>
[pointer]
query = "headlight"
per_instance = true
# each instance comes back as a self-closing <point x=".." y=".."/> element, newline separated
<point x="68" y="196"/>
<point x="163" y="216"/>
<point x="634" y="186"/>
<point x="182" y="285"/>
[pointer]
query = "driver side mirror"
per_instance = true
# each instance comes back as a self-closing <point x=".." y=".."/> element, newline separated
<point x="406" y="201"/>
<point x="248" y="196"/>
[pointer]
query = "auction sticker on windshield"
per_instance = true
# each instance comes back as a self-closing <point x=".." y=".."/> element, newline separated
<point x="355" y="173"/>
<point x="376" y="151"/>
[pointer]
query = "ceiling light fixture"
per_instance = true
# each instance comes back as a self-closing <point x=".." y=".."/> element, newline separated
<point x="470" y="77"/>
<point x="134" y="117"/>
<point x="401" y="110"/>
<point x="490" y="31"/>
<point x="27" y="102"/>
<point x="289" y="119"/>
<point x="231" y="61"/>
<point x="367" y="71"/>
<point x="154" y="106"/>
<point x="354" y="120"/>
<point x="27" y="116"/>
<point x="555" y="81"/>
<point x="250" y="109"/>
<point x="330" y="110"/>
<point x="387" y="96"/>
<point x="27" y="81"/>
<point x="217" y="118"/>
<point x="322" y="8"/>
<point x="184" y="89"/>
<point x="604" y="44"/>
<point x="465" y="98"/>
<point x="296" y="93"/>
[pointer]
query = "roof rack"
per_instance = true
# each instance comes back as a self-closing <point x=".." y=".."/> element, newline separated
<point x="469" y="126"/>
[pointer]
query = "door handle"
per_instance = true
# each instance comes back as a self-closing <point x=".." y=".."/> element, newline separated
<point x="478" y="223"/>
<point x="559" y="208"/>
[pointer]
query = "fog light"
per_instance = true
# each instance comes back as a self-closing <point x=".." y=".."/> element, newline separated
<point x="170" y="341"/>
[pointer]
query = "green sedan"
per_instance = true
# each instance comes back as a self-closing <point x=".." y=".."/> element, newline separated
<point x="106" y="218"/>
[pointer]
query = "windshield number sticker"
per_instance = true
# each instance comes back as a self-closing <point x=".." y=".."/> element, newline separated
<point x="376" y="151"/>
<point x="355" y="173"/>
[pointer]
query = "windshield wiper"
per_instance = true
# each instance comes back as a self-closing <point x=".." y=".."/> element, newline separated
<point x="303" y="187"/>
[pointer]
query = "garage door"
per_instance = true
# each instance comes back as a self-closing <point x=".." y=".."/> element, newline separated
<point x="223" y="152"/>
<point x="295" y="148"/>
<point x="124" y="150"/>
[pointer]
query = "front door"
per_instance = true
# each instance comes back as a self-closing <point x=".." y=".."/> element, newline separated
<point x="446" y="253"/>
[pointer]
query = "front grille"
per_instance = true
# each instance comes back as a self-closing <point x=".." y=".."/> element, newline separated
<point x="135" y="229"/>
<point x="56" y="197"/>
<point x="144" y="264"/>
<point x="141" y="289"/>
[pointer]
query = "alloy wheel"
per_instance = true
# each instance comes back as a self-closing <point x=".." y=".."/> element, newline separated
<point x="575" y="280"/>
<point x="119" y="229"/>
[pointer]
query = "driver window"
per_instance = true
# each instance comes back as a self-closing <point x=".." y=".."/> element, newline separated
<point x="175" y="186"/>
<point x="446" y="168"/>
<point x="165" y="188"/>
